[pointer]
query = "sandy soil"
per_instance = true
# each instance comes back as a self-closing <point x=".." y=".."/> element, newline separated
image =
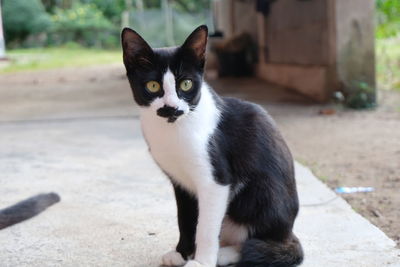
<point x="347" y="148"/>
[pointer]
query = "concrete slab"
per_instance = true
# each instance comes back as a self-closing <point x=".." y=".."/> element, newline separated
<point x="117" y="209"/>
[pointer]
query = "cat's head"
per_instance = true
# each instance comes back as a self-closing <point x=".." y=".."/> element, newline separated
<point x="166" y="80"/>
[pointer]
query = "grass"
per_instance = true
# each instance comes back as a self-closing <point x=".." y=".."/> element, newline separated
<point x="60" y="57"/>
<point x="388" y="63"/>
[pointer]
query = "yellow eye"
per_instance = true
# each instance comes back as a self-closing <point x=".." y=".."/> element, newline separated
<point x="186" y="85"/>
<point x="153" y="86"/>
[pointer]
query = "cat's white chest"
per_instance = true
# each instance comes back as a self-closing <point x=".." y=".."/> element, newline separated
<point x="181" y="148"/>
<point x="179" y="152"/>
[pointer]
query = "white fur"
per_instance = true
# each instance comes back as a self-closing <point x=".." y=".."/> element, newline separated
<point x="195" y="264"/>
<point x="173" y="258"/>
<point x="228" y="255"/>
<point x="181" y="150"/>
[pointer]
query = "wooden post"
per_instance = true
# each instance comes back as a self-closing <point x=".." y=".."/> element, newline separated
<point x="125" y="20"/>
<point x="169" y="28"/>
<point x="140" y="15"/>
<point x="2" y="43"/>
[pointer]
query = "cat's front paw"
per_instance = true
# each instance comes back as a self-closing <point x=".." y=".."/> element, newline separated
<point x="195" y="264"/>
<point x="173" y="258"/>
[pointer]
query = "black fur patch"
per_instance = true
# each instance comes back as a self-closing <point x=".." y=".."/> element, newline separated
<point x="248" y="149"/>
<point x="267" y="253"/>
<point x="248" y="153"/>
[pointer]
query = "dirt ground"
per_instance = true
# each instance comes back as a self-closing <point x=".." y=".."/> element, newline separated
<point x="357" y="148"/>
<point x="347" y="148"/>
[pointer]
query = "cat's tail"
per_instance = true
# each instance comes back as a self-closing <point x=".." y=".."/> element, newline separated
<point x="259" y="253"/>
<point x="26" y="209"/>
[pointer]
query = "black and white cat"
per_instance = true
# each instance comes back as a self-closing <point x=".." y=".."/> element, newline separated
<point x="230" y="168"/>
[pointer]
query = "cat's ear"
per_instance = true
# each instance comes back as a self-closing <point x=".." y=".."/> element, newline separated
<point x="197" y="42"/>
<point x="135" y="49"/>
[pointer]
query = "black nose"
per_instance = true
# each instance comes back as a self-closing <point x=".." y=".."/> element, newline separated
<point x="169" y="112"/>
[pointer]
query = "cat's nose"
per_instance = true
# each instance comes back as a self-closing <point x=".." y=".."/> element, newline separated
<point x="169" y="112"/>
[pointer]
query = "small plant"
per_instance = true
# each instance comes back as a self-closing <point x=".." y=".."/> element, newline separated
<point x="361" y="96"/>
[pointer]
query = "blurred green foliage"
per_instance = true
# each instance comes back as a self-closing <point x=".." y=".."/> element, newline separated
<point x="111" y="9"/>
<point x="82" y="23"/>
<point x="23" y="18"/>
<point x="388" y="63"/>
<point x="388" y="18"/>
<point x="388" y="44"/>
<point x="97" y="23"/>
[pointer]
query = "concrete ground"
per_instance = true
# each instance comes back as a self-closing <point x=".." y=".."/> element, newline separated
<point x="80" y="137"/>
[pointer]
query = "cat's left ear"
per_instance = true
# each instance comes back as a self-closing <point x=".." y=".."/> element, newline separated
<point x="197" y="42"/>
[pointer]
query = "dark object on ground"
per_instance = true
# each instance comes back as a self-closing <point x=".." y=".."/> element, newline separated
<point x="26" y="209"/>
<point x="236" y="56"/>
<point x="327" y="111"/>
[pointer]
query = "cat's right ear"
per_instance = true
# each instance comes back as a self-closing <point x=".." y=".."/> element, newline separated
<point x="197" y="42"/>
<point x="136" y="51"/>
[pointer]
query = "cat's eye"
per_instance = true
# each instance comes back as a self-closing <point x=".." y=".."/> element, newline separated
<point x="186" y="85"/>
<point x="153" y="86"/>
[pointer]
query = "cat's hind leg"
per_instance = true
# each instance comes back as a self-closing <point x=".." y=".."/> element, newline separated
<point x="232" y="234"/>
<point x="228" y="255"/>
<point x="232" y="237"/>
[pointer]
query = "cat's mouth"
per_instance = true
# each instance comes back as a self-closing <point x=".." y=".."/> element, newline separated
<point x="172" y="119"/>
<point x="171" y="113"/>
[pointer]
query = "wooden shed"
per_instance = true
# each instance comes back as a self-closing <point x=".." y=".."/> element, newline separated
<point x="316" y="47"/>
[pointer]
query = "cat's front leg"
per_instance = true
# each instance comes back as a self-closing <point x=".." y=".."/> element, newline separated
<point x="187" y="208"/>
<point x="213" y="201"/>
